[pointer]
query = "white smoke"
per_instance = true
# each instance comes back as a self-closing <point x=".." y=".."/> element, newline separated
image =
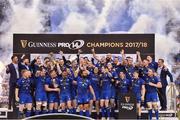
<point x="95" y="16"/>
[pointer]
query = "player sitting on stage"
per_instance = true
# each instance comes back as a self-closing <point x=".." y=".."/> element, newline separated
<point x="52" y="88"/>
<point x="138" y="88"/>
<point x="40" y="93"/>
<point x="23" y="93"/>
<point x="152" y="83"/>
<point x="83" y="88"/>
<point x="65" y="84"/>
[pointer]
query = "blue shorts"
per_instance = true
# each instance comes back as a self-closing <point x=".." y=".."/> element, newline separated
<point x="106" y="94"/>
<point x="151" y="97"/>
<point x="73" y="94"/>
<point x="64" y="98"/>
<point x="138" y="97"/>
<point x="25" y="98"/>
<point x="83" y="99"/>
<point x="113" y="93"/>
<point x="97" y="94"/>
<point x="52" y="98"/>
<point x="40" y="96"/>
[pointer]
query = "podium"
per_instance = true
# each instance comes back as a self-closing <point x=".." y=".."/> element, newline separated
<point x="127" y="106"/>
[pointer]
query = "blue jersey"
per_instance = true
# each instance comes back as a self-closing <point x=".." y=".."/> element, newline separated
<point x="151" y="89"/>
<point x="39" y="84"/>
<point x="65" y="85"/>
<point x="124" y="85"/>
<point x="129" y="71"/>
<point x="106" y="82"/>
<point x="143" y="72"/>
<point x="83" y="86"/>
<point x="137" y="85"/>
<point x="24" y="85"/>
<point x="95" y="81"/>
<point x="153" y="65"/>
<point x="52" y="83"/>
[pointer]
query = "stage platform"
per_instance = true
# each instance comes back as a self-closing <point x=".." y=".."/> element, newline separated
<point x="163" y="115"/>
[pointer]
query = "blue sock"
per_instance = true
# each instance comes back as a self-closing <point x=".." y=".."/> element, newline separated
<point x="81" y="112"/>
<point x="103" y="111"/>
<point x="55" y="111"/>
<point x="50" y="111"/>
<point x="112" y="112"/>
<point x="87" y="113"/>
<point x="44" y="112"/>
<point x="74" y="110"/>
<point x="63" y="111"/>
<point x="157" y="114"/>
<point x="28" y="113"/>
<point x="20" y="114"/>
<point x="70" y="111"/>
<point x="108" y="112"/>
<point x="150" y="114"/>
<point x="37" y="112"/>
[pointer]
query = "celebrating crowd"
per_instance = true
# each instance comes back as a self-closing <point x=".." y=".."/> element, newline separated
<point x="77" y="86"/>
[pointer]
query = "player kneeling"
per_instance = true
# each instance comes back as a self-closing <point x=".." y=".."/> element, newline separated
<point x="138" y="88"/>
<point x="65" y="84"/>
<point x="40" y="93"/>
<point x="52" y="87"/>
<point x="83" y="88"/>
<point x="23" y="93"/>
<point x="152" y="83"/>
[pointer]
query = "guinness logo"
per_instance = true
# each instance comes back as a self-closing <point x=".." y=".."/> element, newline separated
<point x="23" y="43"/>
<point x="127" y="98"/>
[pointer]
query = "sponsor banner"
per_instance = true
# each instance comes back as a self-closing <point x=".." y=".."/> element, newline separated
<point x="127" y="106"/>
<point x="70" y="43"/>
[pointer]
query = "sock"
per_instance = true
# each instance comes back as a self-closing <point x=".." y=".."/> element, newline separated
<point x="81" y="112"/>
<point x="37" y="112"/>
<point x="28" y="113"/>
<point x="70" y="111"/>
<point x="108" y="111"/>
<point x="44" y="111"/>
<point x="103" y="111"/>
<point x="112" y="112"/>
<point x="157" y="114"/>
<point x="63" y="111"/>
<point x="20" y="114"/>
<point x="74" y="110"/>
<point x="87" y="113"/>
<point x="55" y="111"/>
<point x="150" y="114"/>
<point x="50" y="111"/>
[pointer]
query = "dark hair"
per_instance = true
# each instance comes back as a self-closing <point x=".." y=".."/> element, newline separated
<point x="46" y="58"/>
<point x="162" y="60"/>
<point x="13" y="57"/>
<point x="52" y="71"/>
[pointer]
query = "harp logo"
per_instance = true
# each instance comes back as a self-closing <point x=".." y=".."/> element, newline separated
<point x="127" y="98"/>
<point x="24" y="43"/>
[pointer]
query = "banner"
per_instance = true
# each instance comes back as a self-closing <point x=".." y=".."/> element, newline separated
<point x="70" y="43"/>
